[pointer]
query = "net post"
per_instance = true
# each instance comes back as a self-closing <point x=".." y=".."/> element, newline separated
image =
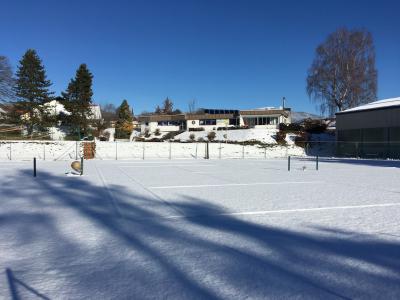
<point x="76" y="150"/>
<point x="288" y="163"/>
<point x="34" y="167"/>
<point x="316" y="162"/>
<point x="207" y="151"/>
<point x="81" y="165"/>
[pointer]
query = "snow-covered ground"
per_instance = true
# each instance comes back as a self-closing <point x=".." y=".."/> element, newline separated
<point x="238" y="135"/>
<point x="65" y="150"/>
<point x="198" y="229"/>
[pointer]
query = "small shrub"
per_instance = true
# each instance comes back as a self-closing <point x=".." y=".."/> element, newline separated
<point x="157" y="132"/>
<point x="290" y="127"/>
<point x="211" y="136"/>
<point x="147" y="133"/>
<point x="314" y="126"/>
<point x="280" y="138"/>
<point x="192" y="137"/>
<point x="200" y="140"/>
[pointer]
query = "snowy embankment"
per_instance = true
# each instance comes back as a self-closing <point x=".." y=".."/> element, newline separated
<point x="67" y="150"/>
<point x="44" y="150"/>
<point x="238" y="135"/>
<point x="147" y="150"/>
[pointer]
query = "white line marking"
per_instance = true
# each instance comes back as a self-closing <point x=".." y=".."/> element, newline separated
<point x="163" y="166"/>
<point x="232" y="184"/>
<point x="265" y="212"/>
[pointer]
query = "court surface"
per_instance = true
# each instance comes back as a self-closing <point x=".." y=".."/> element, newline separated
<point x="200" y="229"/>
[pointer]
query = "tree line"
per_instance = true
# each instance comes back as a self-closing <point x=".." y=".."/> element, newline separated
<point x="29" y="90"/>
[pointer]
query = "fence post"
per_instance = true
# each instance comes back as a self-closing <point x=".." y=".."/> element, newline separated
<point x="10" y="151"/>
<point x="220" y="150"/>
<point x="288" y="163"/>
<point x="34" y="167"/>
<point x="170" y="149"/>
<point x="207" y="149"/>
<point x="116" y="150"/>
<point x="81" y="165"/>
<point x="265" y="152"/>
<point x="143" y="150"/>
<point x="44" y="151"/>
<point x="196" y="150"/>
<point x="316" y="163"/>
<point x="76" y="150"/>
<point x="243" y="151"/>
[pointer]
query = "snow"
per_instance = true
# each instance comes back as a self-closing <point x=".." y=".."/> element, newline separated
<point x="238" y="135"/>
<point x="239" y="229"/>
<point x="65" y="150"/>
<point x="375" y="105"/>
<point x="111" y="132"/>
<point x="55" y="108"/>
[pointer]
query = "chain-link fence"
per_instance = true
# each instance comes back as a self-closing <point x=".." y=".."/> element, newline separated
<point x="67" y="150"/>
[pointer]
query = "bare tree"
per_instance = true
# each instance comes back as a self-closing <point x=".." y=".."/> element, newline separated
<point x="343" y="73"/>
<point x="6" y="79"/>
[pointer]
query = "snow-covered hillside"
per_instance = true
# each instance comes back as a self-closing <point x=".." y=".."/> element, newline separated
<point x="239" y="135"/>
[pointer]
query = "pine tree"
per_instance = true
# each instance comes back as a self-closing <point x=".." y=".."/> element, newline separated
<point x="78" y="99"/>
<point x="168" y="106"/>
<point x="32" y="91"/>
<point x="124" y="125"/>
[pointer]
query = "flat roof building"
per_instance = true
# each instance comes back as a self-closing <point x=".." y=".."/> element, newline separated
<point x="370" y="130"/>
<point x="212" y="119"/>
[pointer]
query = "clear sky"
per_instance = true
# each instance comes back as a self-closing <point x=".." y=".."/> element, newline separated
<point x="224" y="54"/>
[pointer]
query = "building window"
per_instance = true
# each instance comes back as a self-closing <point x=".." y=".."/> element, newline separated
<point x="208" y="122"/>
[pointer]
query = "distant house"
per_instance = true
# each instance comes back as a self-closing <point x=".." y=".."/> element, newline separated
<point x="370" y="130"/>
<point x="212" y="119"/>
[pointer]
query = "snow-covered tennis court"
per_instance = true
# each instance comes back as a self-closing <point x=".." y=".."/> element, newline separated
<point x="206" y="229"/>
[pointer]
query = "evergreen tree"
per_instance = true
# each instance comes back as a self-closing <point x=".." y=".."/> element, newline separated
<point x="6" y="79"/>
<point x="168" y="106"/>
<point x="78" y="99"/>
<point x="124" y="124"/>
<point x="32" y="91"/>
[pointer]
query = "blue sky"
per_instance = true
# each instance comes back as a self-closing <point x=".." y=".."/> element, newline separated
<point x="224" y="54"/>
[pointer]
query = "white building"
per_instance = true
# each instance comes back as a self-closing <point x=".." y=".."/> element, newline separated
<point x="212" y="119"/>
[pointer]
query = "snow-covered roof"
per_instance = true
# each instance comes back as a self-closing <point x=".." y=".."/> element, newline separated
<point x="96" y="112"/>
<point x="55" y="108"/>
<point x="385" y="103"/>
